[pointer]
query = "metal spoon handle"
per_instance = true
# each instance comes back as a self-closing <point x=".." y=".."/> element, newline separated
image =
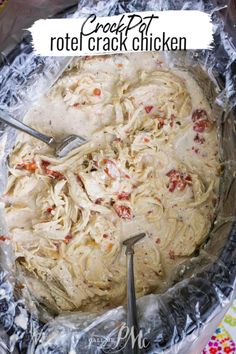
<point x="15" y="123"/>
<point x="132" y="321"/>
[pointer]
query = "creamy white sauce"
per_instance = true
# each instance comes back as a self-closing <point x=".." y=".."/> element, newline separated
<point x="176" y="216"/>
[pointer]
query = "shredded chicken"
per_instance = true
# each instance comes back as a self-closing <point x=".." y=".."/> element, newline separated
<point x="153" y="167"/>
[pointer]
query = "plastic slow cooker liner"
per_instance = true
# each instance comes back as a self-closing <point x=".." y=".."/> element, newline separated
<point x="204" y="285"/>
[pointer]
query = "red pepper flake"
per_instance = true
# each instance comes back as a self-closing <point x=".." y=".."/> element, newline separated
<point x="158" y="240"/>
<point x="123" y="196"/>
<point x="199" y="139"/>
<point x="4" y="238"/>
<point x="111" y="169"/>
<point x="67" y="239"/>
<point x="119" y="65"/>
<point x="199" y="114"/>
<point x="178" y="180"/>
<point x="76" y="105"/>
<point x="123" y="211"/>
<point x="146" y="140"/>
<point x="97" y="92"/>
<point x="171" y="254"/>
<point x="105" y="236"/>
<point x="148" y="109"/>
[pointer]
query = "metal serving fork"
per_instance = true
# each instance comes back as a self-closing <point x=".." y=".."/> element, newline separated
<point x="132" y="320"/>
<point x="62" y="148"/>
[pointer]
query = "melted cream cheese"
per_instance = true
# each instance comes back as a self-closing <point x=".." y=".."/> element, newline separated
<point x="150" y="165"/>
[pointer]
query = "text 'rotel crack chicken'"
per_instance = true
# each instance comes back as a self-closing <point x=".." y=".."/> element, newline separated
<point x="150" y="165"/>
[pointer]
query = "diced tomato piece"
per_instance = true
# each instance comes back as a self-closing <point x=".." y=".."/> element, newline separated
<point x="172" y="173"/>
<point x="45" y="163"/>
<point x="172" y="185"/>
<point x="67" y="239"/>
<point x="188" y="178"/>
<point x="98" y="201"/>
<point x="199" y="114"/>
<point x="54" y="174"/>
<point x="4" y="238"/>
<point x="123" y="211"/>
<point x="97" y="92"/>
<point x="49" y="210"/>
<point x="111" y="169"/>
<point x="201" y="121"/>
<point x="148" y="109"/>
<point x="201" y="125"/>
<point x="181" y="184"/>
<point x="123" y="196"/>
<point x="161" y="122"/>
<point x="29" y="166"/>
<point x="178" y="180"/>
<point x="51" y="173"/>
